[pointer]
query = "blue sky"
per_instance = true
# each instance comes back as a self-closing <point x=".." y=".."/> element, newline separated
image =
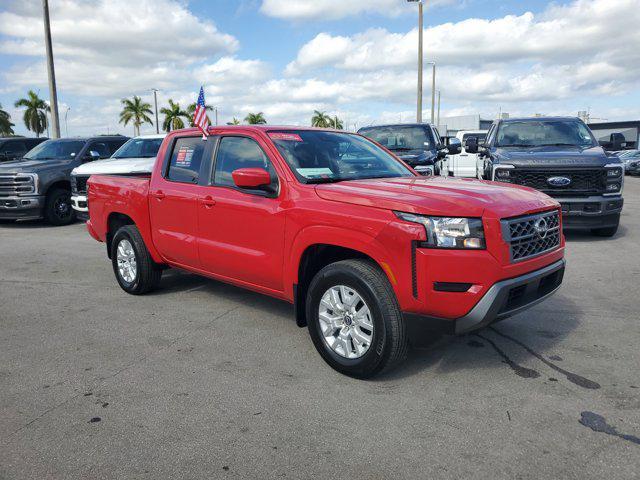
<point x="352" y="58"/>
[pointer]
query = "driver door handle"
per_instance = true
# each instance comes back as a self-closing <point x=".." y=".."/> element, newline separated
<point x="159" y="194"/>
<point x="207" y="201"/>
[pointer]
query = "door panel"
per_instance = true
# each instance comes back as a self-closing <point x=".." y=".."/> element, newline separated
<point x="241" y="233"/>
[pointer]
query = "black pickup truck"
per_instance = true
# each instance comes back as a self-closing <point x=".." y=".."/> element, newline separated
<point x="560" y="157"/>
<point x="39" y="184"/>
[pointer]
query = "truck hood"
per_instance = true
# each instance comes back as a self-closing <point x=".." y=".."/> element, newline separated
<point x="32" y="166"/>
<point x="439" y="196"/>
<point x="554" y="157"/>
<point x="116" y="166"/>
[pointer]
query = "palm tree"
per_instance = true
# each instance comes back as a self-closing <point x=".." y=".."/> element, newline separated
<point x="135" y="110"/>
<point x="235" y="121"/>
<point x="35" y="115"/>
<point x="192" y="110"/>
<point x="173" y="117"/>
<point x="320" y="119"/>
<point x="255" y="118"/>
<point x="5" y="123"/>
<point x="336" y="123"/>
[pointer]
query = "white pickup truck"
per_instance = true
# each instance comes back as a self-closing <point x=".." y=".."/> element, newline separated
<point x="136" y="157"/>
<point x="465" y="164"/>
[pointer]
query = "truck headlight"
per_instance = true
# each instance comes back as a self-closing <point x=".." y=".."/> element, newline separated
<point x="449" y="232"/>
<point x="614" y="179"/>
<point x="502" y="173"/>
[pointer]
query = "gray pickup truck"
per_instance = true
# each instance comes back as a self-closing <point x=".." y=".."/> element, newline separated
<point x="38" y="185"/>
<point x="560" y="157"/>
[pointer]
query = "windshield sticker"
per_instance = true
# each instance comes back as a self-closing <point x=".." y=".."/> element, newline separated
<point x="185" y="154"/>
<point x="292" y="137"/>
<point x="314" y="172"/>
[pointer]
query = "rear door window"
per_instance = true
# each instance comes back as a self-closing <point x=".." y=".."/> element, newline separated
<point x="186" y="160"/>
<point x="101" y="148"/>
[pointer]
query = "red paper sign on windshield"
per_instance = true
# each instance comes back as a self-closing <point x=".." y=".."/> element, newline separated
<point x="292" y="137"/>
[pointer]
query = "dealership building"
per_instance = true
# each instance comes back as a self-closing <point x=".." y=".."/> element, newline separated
<point x="630" y="130"/>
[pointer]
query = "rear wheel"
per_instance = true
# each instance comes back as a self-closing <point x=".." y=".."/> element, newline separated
<point x="57" y="209"/>
<point x="354" y="319"/>
<point x="133" y="266"/>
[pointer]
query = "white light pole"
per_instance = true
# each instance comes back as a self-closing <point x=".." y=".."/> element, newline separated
<point x="66" y="126"/>
<point x="155" y="101"/>
<point x="420" y="19"/>
<point x="433" y="91"/>
<point x="53" y="95"/>
<point x="438" y="123"/>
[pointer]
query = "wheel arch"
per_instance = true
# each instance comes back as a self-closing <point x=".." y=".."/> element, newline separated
<point x="311" y="253"/>
<point x="117" y="219"/>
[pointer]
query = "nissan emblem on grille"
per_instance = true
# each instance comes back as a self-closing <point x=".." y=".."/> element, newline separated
<point x="558" y="181"/>
<point x="541" y="227"/>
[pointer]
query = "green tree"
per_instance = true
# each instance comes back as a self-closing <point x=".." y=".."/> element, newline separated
<point x="192" y="110"/>
<point x="320" y="119"/>
<point x="135" y="111"/>
<point x="235" y="121"/>
<point x="35" y="115"/>
<point x="5" y="123"/>
<point x="173" y="117"/>
<point x="255" y="118"/>
<point x="335" y="122"/>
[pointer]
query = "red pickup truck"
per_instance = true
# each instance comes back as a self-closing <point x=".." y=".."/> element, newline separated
<point x="371" y="254"/>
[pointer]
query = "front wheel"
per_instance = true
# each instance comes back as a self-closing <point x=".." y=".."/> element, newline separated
<point x="605" y="232"/>
<point x="133" y="266"/>
<point x="57" y="209"/>
<point x="354" y="319"/>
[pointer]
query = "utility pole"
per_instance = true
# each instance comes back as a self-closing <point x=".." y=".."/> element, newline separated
<point x="438" y="124"/>
<point x="433" y="92"/>
<point x="155" y="101"/>
<point x="420" y="20"/>
<point x="66" y="125"/>
<point x="53" y="95"/>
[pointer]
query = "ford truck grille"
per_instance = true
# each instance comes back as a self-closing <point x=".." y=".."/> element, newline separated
<point x="532" y="235"/>
<point x="79" y="184"/>
<point x="582" y="182"/>
<point x="16" y="184"/>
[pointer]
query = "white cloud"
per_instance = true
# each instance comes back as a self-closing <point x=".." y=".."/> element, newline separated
<point x="305" y="10"/>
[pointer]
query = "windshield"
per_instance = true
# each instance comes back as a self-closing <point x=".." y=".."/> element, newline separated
<point x="55" y="150"/>
<point x="139" y="148"/>
<point x="400" y="137"/>
<point x="317" y="156"/>
<point x="531" y="133"/>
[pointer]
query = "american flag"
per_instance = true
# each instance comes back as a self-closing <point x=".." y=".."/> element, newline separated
<point x="200" y="118"/>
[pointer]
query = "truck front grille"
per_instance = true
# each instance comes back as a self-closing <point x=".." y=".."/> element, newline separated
<point x="532" y="235"/>
<point x="79" y="184"/>
<point x="583" y="181"/>
<point x="16" y="184"/>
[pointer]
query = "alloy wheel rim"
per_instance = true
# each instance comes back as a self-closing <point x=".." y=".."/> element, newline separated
<point x="62" y="207"/>
<point x="346" y="322"/>
<point x="126" y="258"/>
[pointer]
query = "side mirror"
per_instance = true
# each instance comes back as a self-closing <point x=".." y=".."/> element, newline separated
<point x="92" y="156"/>
<point x="251" y="177"/>
<point x="616" y="140"/>
<point x="471" y="145"/>
<point x="455" y="146"/>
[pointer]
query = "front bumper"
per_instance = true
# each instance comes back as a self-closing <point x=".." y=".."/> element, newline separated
<point x="591" y="212"/>
<point x="21" y="208"/>
<point x="80" y="205"/>
<point x="504" y="299"/>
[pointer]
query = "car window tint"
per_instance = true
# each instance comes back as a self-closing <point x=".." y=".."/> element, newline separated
<point x="186" y="158"/>
<point x="101" y="148"/>
<point x="235" y="153"/>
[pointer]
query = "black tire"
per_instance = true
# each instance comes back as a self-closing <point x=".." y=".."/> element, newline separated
<point x="389" y="342"/>
<point x="148" y="273"/>
<point x="606" y="232"/>
<point x="7" y="220"/>
<point x="58" y="210"/>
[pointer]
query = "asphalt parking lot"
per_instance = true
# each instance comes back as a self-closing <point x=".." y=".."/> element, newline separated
<point x="204" y="380"/>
